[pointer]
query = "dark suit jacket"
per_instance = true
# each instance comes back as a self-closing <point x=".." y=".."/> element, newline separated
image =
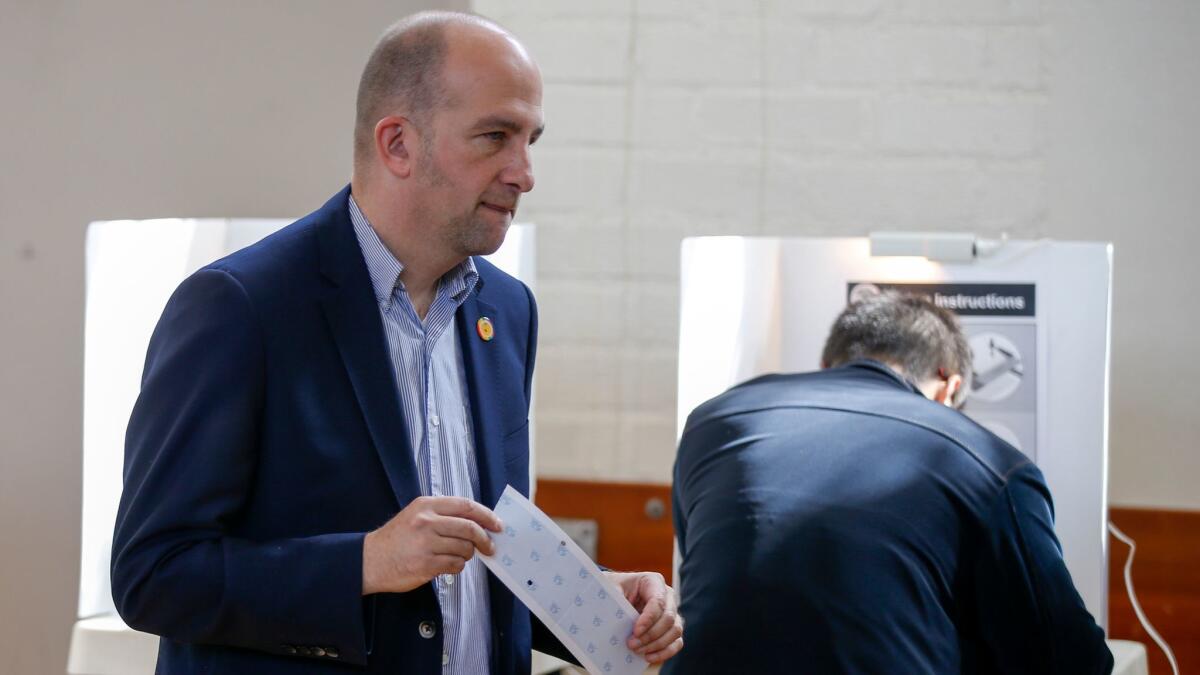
<point x="839" y="522"/>
<point x="268" y="439"/>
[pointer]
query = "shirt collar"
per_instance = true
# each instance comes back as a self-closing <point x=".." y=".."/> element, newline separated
<point x="384" y="269"/>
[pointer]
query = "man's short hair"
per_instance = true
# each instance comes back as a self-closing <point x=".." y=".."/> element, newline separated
<point x="903" y="330"/>
<point x="403" y="75"/>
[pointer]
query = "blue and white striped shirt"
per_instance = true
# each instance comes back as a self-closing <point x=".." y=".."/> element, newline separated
<point x="430" y="379"/>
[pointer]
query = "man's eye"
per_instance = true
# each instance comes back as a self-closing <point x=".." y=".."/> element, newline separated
<point x="497" y="136"/>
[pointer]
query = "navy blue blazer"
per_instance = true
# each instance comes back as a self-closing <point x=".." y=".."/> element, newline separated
<point x="268" y="439"/>
<point x="840" y="522"/>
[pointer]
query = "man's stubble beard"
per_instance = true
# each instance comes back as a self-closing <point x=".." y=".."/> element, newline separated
<point x="466" y="234"/>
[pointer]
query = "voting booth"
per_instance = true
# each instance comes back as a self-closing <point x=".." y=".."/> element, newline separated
<point x="132" y="269"/>
<point x="1037" y="315"/>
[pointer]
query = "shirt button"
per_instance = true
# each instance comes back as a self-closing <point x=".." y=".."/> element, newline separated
<point x="448" y="579"/>
<point x="445" y="658"/>
<point x="435" y="420"/>
<point x="427" y="629"/>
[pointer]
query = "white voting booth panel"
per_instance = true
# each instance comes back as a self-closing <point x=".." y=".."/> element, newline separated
<point x="132" y="269"/>
<point x="1036" y="313"/>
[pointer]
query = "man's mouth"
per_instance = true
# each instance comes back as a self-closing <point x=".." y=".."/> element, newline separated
<point x="508" y="210"/>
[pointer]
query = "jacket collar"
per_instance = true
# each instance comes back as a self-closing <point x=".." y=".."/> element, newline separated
<point x="884" y="373"/>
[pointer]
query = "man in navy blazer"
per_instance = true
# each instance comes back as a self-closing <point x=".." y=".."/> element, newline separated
<point x="324" y="414"/>
<point x="852" y="521"/>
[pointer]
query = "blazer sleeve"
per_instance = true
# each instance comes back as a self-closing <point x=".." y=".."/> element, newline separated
<point x="1030" y="617"/>
<point x="190" y="457"/>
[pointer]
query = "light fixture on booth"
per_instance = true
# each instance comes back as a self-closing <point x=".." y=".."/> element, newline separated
<point x="952" y="247"/>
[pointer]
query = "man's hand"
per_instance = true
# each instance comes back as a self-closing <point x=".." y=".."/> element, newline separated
<point x="431" y="536"/>
<point x="658" y="631"/>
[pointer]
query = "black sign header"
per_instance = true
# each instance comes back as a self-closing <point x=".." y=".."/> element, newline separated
<point x="962" y="299"/>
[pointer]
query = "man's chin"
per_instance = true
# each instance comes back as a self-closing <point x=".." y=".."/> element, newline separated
<point x="488" y="249"/>
<point x="486" y="239"/>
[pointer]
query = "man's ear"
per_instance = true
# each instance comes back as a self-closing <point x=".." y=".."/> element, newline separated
<point x="395" y="138"/>
<point x="947" y="389"/>
<point x="941" y="390"/>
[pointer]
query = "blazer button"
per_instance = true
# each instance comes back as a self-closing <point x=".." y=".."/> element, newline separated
<point x="427" y="629"/>
<point x="289" y="649"/>
<point x="303" y="650"/>
<point x="317" y="651"/>
<point x="331" y="652"/>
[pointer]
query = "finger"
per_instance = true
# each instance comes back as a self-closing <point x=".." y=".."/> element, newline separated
<point x="467" y="530"/>
<point x="621" y="579"/>
<point x="461" y="507"/>
<point x="661" y="634"/>
<point x="671" y="650"/>
<point x="459" y="548"/>
<point x="651" y="614"/>
<point x="446" y="564"/>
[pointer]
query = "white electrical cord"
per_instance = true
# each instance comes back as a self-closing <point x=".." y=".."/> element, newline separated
<point x="1137" y="608"/>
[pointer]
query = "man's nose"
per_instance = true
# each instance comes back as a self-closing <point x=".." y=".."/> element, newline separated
<point x="519" y="172"/>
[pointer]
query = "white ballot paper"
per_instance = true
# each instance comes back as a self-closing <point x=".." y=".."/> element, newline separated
<point x="562" y="586"/>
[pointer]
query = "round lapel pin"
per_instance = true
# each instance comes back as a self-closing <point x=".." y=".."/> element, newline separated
<point x="485" y="329"/>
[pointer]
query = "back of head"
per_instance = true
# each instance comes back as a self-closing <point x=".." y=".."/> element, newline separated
<point x="905" y="331"/>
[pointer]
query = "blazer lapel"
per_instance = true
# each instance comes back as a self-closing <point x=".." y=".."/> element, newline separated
<point x="354" y="320"/>
<point x="481" y="362"/>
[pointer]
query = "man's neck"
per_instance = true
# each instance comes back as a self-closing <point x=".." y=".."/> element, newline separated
<point x="423" y="264"/>
<point x="421" y="296"/>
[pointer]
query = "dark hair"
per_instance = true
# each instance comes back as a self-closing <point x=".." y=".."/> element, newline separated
<point x="904" y="330"/>
<point x="404" y="73"/>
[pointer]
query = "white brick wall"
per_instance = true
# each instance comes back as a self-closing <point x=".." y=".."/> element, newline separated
<point x="973" y="11"/>
<point x="937" y="125"/>
<point x="673" y="118"/>
<point x="706" y="52"/>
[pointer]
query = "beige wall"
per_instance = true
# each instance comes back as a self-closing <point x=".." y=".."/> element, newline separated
<point x="135" y="109"/>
